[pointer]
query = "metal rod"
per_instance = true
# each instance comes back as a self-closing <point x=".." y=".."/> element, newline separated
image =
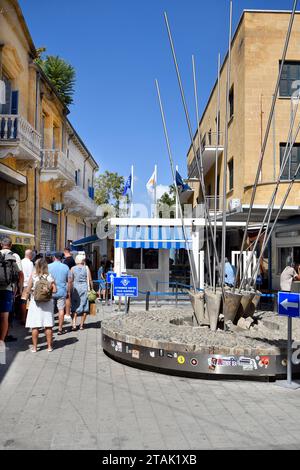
<point x="225" y="153"/>
<point x="199" y="145"/>
<point x="216" y="167"/>
<point x="254" y="276"/>
<point x="264" y="146"/>
<point x="199" y="168"/>
<point x="290" y="346"/>
<point x="286" y="158"/>
<point x="175" y="185"/>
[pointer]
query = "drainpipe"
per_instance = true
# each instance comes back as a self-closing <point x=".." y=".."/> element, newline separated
<point x="36" y="168"/>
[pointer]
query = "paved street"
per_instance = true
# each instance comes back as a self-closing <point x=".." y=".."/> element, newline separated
<point x="77" y="398"/>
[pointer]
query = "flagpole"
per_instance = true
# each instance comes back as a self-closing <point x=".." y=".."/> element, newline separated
<point x="177" y="202"/>
<point x="155" y="192"/>
<point x="132" y="187"/>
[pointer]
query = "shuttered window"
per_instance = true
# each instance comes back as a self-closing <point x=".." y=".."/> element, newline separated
<point x="290" y="77"/>
<point x="292" y="164"/>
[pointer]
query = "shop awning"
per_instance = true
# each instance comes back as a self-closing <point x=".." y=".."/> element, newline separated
<point x="18" y="238"/>
<point x="152" y="237"/>
<point x="85" y="241"/>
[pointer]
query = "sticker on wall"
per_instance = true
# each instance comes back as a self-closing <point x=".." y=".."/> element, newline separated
<point x="264" y="362"/>
<point x="181" y="360"/>
<point x="194" y="362"/>
<point x="161" y="353"/>
<point x="152" y="354"/>
<point x="170" y="355"/>
<point x="135" y="354"/>
<point x="119" y="347"/>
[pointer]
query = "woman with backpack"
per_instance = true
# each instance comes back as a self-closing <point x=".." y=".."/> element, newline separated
<point x="41" y="308"/>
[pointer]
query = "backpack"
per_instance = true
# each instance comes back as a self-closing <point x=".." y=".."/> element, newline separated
<point x="9" y="271"/>
<point x="42" y="290"/>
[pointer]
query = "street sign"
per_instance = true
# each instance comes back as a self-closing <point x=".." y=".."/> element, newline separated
<point x="289" y="304"/>
<point x="110" y="276"/>
<point x="126" y="287"/>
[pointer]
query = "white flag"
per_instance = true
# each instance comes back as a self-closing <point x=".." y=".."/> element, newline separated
<point x="152" y="183"/>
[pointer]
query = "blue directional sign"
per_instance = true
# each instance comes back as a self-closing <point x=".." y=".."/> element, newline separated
<point x="110" y="276"/>
<point x="126" y="287"/>
<point x="289" y="304"/>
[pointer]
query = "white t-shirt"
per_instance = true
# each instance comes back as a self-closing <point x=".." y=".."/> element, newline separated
<point x="27" y="268"/>
<point x="19" y="264"/>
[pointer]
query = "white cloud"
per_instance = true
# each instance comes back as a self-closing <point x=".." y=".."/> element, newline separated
<point x="162" y="189"/>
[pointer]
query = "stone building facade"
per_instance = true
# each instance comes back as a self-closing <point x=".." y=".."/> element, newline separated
<point x="41" y="154"/>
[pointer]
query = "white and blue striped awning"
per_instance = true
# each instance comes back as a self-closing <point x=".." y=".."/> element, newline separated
<point x="152" y="237"/>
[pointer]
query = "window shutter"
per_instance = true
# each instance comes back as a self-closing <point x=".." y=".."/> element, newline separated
<point x="15" y="102"/>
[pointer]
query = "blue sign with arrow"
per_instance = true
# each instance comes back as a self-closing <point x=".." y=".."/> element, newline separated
<point x="126" y="287"/>
<point x="111" y="276"/>
<point x="289" y="304"/>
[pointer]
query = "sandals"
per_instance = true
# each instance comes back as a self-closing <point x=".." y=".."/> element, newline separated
<point x="74" y="328"/>
<point x="81" y="328"/>
<point x="62" y="332"/>
<point x="50" y="350"/>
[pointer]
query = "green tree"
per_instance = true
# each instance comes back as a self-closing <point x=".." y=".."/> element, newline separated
<point x="168" y="198"/>
<point x="109" y="188"/>
<point x="61" y="74"/>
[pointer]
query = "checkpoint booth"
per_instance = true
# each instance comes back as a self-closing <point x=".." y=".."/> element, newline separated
<point x="149" y="248"/>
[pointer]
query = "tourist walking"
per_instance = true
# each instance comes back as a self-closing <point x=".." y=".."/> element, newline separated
<point x="102" y="281"/>
<point x="41" y="307"/>
<point x="81" y="283"/>
<point x="27" y="267"/>
<point x="70" y="262"/>
<point x="60" y="273"/>
<point x="288" y="275"/>
<point x="11" y="281"/>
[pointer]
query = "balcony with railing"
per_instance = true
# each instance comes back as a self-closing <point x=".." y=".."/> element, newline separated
<point x="57" y="167"/>
<point x="211" y="146"/>
<point x="81" y="202"/>
<point x="19" y="138"/>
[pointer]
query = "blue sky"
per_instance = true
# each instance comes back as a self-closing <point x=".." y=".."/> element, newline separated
<point x="118" y="48"/>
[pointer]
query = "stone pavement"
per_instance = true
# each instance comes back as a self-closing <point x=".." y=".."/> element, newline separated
<point x="77" y="398"/>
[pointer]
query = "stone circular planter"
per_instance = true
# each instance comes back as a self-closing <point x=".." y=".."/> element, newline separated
<point x="166" y="341"/>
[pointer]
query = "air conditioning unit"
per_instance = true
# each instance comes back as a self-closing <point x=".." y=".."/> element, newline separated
<point x="235" y="205"/>
<point x="58" y="206"/>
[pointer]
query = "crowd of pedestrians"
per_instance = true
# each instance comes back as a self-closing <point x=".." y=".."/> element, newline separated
<point x="63" y="285"/>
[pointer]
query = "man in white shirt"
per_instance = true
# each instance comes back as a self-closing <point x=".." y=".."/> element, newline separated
<point x="289" y="275"/>
<point x="7" y="287"/>
<point x="27" y="267"/>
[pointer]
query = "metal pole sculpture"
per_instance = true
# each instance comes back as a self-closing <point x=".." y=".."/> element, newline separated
<point x="268" y="214"/>
<point x="175" y="184"/>
<point x="268" y="235"/>
<point x="265" y="141"/>
<point x="200" y="150"/>
<point x="199" y="167"/>
<point x="216" y="167"/>
<point x="225" y="153"/>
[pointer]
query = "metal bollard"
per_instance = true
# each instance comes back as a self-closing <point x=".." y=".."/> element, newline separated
<point x="156" y="297"/>
<point x="128" y="305"/>
<point x="176" y="296"/>
<point x="147" y="301"/>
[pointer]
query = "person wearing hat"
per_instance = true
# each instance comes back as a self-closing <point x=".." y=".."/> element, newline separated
<point x="60" y="273"/>
<point x="288" y="275"/>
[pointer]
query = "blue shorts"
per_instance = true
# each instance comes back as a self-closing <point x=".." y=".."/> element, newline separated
<point x="6" y="301"/>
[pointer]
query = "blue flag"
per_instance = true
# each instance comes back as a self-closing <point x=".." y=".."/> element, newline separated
<point x="180" y="183"/>
<point x="128" y="185"/>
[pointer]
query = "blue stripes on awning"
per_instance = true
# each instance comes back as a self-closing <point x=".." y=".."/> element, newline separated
<point x="152" y="237"/>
